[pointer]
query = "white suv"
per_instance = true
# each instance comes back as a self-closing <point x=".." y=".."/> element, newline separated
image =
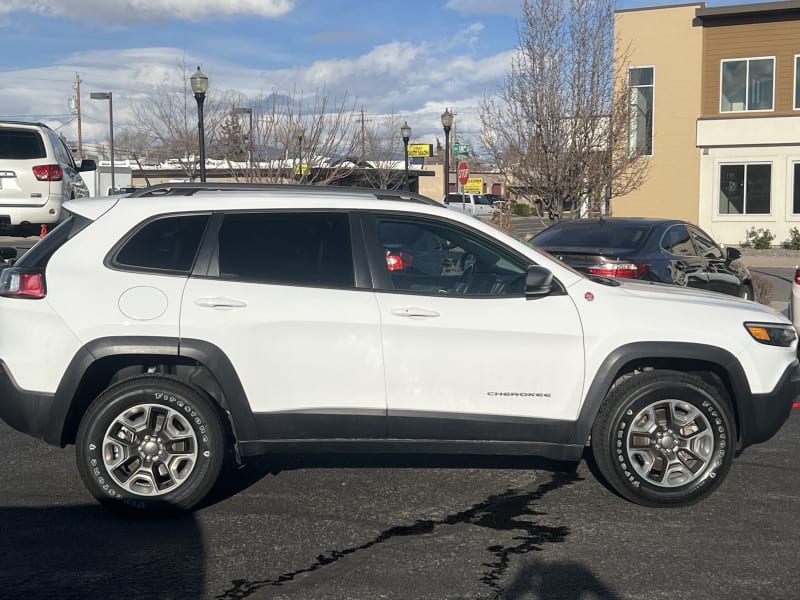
<point x="37" y="174"/>
<point x="187" y="324"/>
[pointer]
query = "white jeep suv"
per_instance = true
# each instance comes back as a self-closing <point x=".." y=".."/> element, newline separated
<point x="191" y="323"/>
<point x="37" y="174"/>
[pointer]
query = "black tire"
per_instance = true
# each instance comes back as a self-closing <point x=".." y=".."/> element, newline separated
<point x="151" y="444"/>
<point x="664" y="439"/>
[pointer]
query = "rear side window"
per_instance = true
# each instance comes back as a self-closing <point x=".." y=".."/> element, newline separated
<point x="311" y="249"/>
<point x="167" y="244"/>
<point x="21" y="144"/>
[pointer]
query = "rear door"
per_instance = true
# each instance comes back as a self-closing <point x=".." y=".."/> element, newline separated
<point x="22" y="149"/>
<point x="723" y="276"/>
<point x="281" y="300"/>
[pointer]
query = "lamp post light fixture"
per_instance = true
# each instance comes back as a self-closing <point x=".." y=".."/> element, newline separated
<point x="405" y="132"/>
<point x="249" y="113"/>
<point x="199" y="82"/>
<point x="447" y="123"/>
<point x="108" y="96"/>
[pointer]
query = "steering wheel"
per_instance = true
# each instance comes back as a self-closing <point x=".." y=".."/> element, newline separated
<point x="467" y="265"/>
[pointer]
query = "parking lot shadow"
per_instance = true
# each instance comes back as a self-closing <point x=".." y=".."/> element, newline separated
<point x="88" y="552"/>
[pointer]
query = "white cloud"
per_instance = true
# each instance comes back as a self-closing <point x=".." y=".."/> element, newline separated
<point x="125" y="11"/>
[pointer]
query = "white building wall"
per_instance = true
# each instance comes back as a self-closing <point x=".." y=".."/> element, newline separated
<point x="749" y="140"/>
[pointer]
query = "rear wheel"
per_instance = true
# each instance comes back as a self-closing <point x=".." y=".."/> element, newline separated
<point x="152" y="444"/>
<point x="746" y="292"/>
<point x="664" y="438"/>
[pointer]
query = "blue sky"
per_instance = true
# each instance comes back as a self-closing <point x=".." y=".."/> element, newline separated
<point x="410" y="59"/>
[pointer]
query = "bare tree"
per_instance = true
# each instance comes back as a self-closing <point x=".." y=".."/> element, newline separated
<point x="383" y="153"/>
<point x="559" y="124"/>
<point x="167" y="118"/>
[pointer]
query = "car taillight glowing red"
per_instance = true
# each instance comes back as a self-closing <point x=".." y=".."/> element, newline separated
<point x="21" y="284"/>
<point x="398" y="262"/>
<point x="797" y="276"/>
<point x="623" y="270"/>
<point x="48" y="172"/>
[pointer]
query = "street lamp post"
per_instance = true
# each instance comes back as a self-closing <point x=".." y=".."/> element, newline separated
<point x="249" y="113"/>
<point x="405" y="132"/>
<point x="108" y="96"/>
<point x="299" y="135"/>
<point x="199" y="83"/>
<point x="447" y="123"/>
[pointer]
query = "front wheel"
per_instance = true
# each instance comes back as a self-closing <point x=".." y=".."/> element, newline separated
<point x="663" y="438"/>
<point x="151" y="444"/>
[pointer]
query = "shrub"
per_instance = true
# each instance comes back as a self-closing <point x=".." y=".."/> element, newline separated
<point x="762" y="290"/>
<point x="761" y="239"/>
<point x="521" y="209"/>
<point x="794" y="239"/>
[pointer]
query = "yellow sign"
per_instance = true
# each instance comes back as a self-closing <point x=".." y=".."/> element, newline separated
<point x="300" y="169"/>
<point x="474" y="185"/>
<point x="419" y="150"/>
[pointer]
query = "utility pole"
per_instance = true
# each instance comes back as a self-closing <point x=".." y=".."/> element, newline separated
<point x="78" y="109"/>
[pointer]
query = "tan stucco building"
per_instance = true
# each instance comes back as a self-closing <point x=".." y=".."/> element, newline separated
<point x="724" y="114"/>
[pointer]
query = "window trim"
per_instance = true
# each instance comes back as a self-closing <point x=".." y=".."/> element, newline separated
<point x="746" y="86"/>
<point x="632" y="151"/>
<point x="745" y="214"/>
<point x="796" y="104"/>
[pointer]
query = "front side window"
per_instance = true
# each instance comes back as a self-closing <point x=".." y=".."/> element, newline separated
<point x="300" y="248"/>
<point x="432" y="258"/>
<point x="168" y="244"/>
<point x="745" y="189"/>
<point x="747" y="84"/>
<point x="705" y="245"/>
<point x="640" y="132"/>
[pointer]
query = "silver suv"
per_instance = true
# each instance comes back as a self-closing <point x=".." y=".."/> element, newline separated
<point x="37" y="174"/>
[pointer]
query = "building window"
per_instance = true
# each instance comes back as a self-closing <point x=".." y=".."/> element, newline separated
<point x="640" y="134"/>
<point x="745" y="189"/>
<point x="747" y="84"/>
<point x="796" y="82"/>
<point x="796" y="190"/>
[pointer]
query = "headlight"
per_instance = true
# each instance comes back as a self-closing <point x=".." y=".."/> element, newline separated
<point x="772" y="334"/>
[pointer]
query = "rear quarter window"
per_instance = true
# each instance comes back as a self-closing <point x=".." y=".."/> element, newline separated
<point x="166" y="244"/>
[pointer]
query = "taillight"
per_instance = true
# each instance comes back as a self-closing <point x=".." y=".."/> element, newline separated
<point x="22" y="283"/>
<point x="398" y="261"/>
<point x="624" y="270"/>
<point x="797" y="276"/>
<point x="48" y="172"/>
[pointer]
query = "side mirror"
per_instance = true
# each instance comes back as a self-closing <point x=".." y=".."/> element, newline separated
<point x="732" y="254"/>
<point x="538" y="282"/>
<point x="87" y="164"/>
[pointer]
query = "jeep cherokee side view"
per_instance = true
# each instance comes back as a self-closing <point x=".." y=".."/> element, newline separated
<point x="188" y="324"/>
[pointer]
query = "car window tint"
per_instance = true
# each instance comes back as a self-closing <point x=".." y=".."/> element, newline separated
<point x="434" y="259"/>
<point x="310" y="249"/>
<point x="677" y="241"/>
<point x="705" y="245"/>
<point x="24" y="144"/>
<point x="168" y="244"/>
<point x="594" y="235"/>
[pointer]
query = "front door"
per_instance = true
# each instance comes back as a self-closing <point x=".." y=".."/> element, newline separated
<point x="467" y="356"/>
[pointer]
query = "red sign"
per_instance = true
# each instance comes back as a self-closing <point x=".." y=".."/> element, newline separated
<point x="463" y="173"/>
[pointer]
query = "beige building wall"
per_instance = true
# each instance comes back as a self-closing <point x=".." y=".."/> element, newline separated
<point x="666" y="39"/>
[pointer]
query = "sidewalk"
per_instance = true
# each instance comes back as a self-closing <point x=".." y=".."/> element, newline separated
<point x="775" y="261"/>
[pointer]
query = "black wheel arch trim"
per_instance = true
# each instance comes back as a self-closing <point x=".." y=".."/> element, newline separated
<point x="738" y="390"/>
<point x="210" y="356"/>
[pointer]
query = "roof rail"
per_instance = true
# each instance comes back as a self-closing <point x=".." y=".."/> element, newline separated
<point x="189" y="189"/>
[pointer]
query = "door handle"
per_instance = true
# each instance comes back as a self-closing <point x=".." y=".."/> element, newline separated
<point x="414" y="312"/>
<point x="220" y="302"/>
